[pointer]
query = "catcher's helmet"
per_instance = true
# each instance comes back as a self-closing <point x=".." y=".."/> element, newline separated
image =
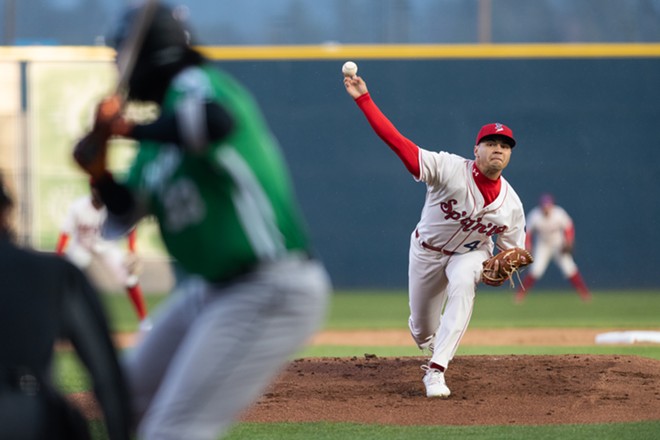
<point x="164" y="52"/>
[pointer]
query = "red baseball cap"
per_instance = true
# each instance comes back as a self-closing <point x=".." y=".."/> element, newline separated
<point x="496" y="129"/>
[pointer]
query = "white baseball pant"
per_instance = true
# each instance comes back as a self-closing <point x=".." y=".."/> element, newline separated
<point x="441" y="292"/>
<point x="543" y="253"/>
<point x="109" y="255"/>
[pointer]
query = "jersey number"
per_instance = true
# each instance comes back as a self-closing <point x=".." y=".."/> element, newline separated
<point x="473" y="245"/>
<point x="183" y="205"/>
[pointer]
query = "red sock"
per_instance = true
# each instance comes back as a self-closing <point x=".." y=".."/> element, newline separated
<point x="580" y="286"/>
<point x="436" y="366"/>
<point x="135" y="295"/>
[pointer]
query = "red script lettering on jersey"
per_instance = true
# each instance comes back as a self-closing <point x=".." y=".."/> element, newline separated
<point x="468" y="223"/>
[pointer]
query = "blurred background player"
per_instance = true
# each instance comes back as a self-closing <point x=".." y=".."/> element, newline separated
<point x="211" y="173"/>
<point x="44" y="298"/>
<point x="550" y="235"/>
<point x="81" y="241"/>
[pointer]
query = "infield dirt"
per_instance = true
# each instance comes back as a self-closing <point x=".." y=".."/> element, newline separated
<point x="486" y="390"/>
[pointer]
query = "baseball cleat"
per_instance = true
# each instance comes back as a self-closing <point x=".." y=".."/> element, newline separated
<point x="434" y="381"/>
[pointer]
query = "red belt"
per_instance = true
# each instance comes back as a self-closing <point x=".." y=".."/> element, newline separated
<point x="432" y="248"/>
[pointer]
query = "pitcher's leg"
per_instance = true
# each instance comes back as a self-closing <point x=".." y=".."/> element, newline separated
<point x="426" y="288"/>
<point x="463" y="273"/>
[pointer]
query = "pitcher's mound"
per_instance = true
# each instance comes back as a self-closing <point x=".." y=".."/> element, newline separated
<point x="488" y="390"/>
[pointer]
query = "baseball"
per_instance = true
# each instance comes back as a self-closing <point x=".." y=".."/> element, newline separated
<point x="349" y="68"/>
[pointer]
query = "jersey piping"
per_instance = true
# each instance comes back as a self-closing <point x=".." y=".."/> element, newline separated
<point x="253" y="207"/>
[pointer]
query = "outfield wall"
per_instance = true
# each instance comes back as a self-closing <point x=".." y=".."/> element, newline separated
<point x="585" y="118"/>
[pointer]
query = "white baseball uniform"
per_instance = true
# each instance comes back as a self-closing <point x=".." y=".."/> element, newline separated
<point x="550" y="232"/>
<point x="453" y="237"/>
<point x="83" y="225"/>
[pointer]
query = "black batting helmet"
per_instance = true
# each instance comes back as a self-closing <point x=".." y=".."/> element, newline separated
<point x="166" y="50"/>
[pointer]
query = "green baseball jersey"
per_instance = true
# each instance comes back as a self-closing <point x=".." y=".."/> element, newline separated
<point x="222" y="210"/>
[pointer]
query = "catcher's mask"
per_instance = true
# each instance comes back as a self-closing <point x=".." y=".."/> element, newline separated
<point x="166" y="50"/>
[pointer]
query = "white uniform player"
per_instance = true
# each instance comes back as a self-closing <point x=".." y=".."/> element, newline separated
<point x="468" y="205"/>
<point x="81" y="241"/>
<point x="550" y="236"/>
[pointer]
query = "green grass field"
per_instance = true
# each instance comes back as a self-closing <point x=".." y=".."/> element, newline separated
<point x="628" y="310"/>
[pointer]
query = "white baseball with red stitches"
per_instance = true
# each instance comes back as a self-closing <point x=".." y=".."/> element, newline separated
<point x="349" y="68"/>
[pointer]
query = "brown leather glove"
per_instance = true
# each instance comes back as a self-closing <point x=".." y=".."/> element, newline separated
<point x="499" y="268"/>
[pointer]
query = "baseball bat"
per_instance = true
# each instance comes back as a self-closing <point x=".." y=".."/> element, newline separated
<point x="130" y="47"/>
<point x="87" y="150"/>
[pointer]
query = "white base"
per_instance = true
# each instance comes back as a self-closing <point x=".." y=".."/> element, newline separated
<point x="628" y="337"/>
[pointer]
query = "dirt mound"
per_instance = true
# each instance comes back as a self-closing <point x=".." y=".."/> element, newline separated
<point x="486" y="390"/>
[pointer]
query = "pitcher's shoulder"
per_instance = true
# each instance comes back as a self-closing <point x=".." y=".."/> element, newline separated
<point x="511" y="193"/>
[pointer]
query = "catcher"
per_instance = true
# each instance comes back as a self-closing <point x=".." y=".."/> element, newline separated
<point x="468" y="204"/>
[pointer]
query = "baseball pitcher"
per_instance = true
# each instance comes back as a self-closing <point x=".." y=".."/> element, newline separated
<point x="468" y="204"/>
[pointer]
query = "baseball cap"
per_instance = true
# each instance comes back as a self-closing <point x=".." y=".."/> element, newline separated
<point x="496" y="129"/>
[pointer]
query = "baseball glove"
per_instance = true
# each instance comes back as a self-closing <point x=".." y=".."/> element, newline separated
<point x="499" y="268"/>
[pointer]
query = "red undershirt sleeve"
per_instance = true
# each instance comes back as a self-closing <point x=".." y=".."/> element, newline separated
<point x="407" y="151"/>
<point x="569" y="234"/>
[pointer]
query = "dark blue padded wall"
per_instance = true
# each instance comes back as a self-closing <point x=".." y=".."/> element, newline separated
<point x="586" y="130"/>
